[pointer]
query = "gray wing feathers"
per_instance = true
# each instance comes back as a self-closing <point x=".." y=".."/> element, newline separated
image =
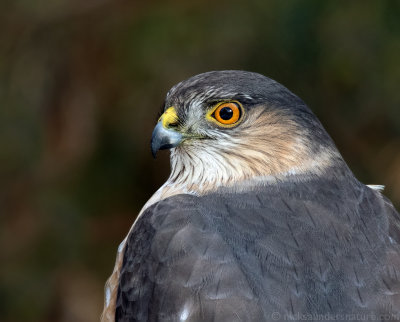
<point x="292" y="249"/>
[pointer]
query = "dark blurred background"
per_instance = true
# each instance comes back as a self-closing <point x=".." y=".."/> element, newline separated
<point x="82" y="82"/>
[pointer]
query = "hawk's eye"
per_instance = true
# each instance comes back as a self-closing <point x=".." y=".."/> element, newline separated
<point x="228" y="113"/>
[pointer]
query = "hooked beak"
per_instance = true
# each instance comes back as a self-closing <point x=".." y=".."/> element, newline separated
<point x="163" y="136"/>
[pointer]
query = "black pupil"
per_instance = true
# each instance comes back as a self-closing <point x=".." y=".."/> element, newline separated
<point x="226" y="113"/>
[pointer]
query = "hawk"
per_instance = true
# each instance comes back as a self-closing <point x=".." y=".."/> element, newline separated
<point x="260" y="219"/>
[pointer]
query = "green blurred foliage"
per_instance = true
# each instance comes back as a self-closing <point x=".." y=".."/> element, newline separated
<point x="81" y="85"/>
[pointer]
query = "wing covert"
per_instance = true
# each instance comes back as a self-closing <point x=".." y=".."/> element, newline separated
<point x="228" y="256"/>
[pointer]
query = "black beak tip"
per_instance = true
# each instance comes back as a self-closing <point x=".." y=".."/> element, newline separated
<point x="154" y="147"/>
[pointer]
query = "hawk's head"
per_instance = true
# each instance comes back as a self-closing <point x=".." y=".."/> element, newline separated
<point x="228" y="126"/>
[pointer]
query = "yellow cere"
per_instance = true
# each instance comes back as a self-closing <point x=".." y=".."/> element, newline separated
<point x="169" y="117"/>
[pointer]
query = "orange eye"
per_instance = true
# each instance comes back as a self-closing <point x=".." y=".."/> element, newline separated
<point x="227" y="113"/>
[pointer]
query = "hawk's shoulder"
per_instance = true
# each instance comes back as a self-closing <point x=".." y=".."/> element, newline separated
<point x="316" y="246"/>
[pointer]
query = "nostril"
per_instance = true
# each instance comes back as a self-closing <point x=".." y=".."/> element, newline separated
<point x="173" y="125"/>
